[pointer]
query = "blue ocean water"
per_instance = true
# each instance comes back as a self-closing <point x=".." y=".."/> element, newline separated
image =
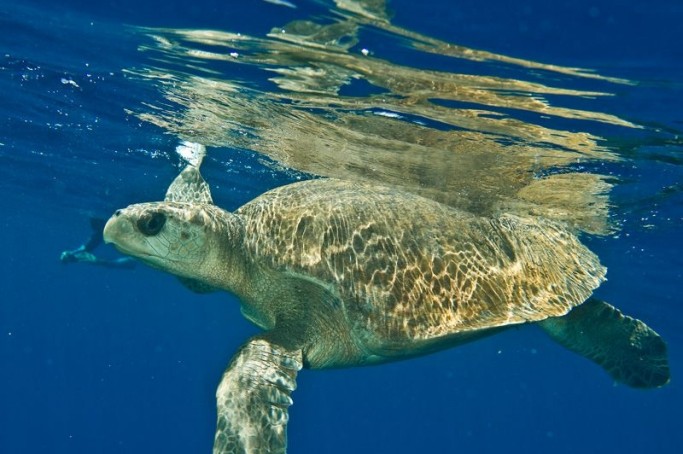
<point x="127" y="361"/>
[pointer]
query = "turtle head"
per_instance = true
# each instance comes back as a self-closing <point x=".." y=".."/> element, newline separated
<point x="194" y="241"/>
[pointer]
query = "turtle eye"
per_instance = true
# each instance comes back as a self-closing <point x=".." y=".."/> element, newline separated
<point x="150" y="224"/>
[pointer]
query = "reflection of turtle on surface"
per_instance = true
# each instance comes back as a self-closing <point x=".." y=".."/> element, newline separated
<point x="340" y="274"/>
<point x="84" y="253"/>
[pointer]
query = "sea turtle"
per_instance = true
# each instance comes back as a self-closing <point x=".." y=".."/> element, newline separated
<point x="342" y="273"/>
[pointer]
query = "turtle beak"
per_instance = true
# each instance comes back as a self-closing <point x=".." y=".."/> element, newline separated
<point x="117" y="227"/>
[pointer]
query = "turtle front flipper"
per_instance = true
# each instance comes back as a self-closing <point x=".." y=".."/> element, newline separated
<point x="253" y="399"/>
<point x="189" y="186"/>
<point x="630" y="351"/>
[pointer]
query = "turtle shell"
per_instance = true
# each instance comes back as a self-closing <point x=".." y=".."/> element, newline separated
<point x="408" y="268"/>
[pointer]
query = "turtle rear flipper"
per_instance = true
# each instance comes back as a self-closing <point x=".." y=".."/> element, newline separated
<point x="630" y="351"/>
<point x="253" y="399"/>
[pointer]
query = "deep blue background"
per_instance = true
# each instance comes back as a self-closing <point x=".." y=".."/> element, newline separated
<point x="113" y="361"/>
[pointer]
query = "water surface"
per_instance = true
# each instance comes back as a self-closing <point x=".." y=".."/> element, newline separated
<point x="567" y="111"/>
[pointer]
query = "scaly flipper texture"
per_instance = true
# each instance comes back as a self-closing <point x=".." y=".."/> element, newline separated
<point x="190" y="187"/>
<point x="253" y="399"/>
<point x="630" y="351"/>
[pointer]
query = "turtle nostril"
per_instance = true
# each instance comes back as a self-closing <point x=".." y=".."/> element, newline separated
<point x="151" y="224"/>
<point x="117" y="213"/>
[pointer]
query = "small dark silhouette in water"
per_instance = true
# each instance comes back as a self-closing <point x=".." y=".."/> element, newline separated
<point x="84" y="253"/>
